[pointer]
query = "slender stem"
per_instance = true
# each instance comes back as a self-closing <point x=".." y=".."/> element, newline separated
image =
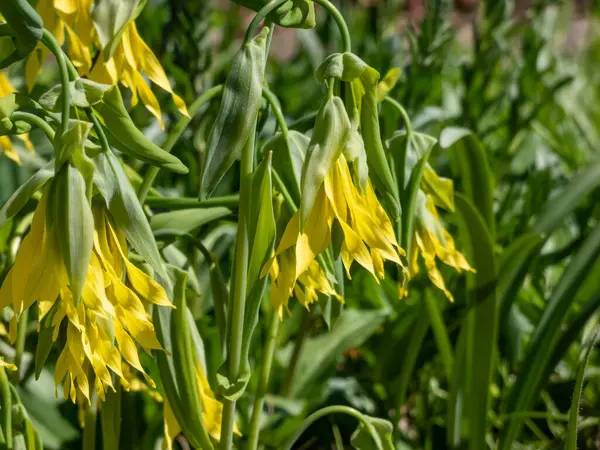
<point x="89" y="430"/>
<point x="6" y="409"/>
<point x="339" y="20"/>
<point x="272" y="100"/>
<point x="20" y="343"/>
<point x="403" y="113"/>
<point x="192" y="202"/>
<point x="337" y="409"/>
<point x="237" y="303"/>
<point x="174" y="135"/>
<point x="289" y="201"/>
<point x="98" y="128"/>
<point x="49" y="41"/>
<point x="36" y="121"/>
<point x="260" y="15"/>
<point x="263" y="381"/>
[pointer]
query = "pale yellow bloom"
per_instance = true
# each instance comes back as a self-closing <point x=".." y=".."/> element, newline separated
<point x="132" y="56"/>
<point x="5" y="143"/>
<point x="212" y="411"/>
<point x="431" y="240"/>
<point x="111" y="319"/>
<point x="368" y="237"/>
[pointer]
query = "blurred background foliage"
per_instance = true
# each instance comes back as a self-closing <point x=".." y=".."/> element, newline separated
<point x="524" y="79"/>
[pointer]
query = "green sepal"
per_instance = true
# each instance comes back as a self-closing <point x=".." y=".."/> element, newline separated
<point x="74" y="225"/>
<point x="25" y="26"/>
<point x="330" y="135"/>
<point x="123" y="135"/>
<point x="236" y="118"/>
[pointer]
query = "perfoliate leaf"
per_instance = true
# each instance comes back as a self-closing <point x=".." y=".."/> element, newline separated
<point x="237" y="114"/>
<point x="127" y="138"/>
<point x="25" y="26"/>
<point x="24" y="192"/>
<point x="111" y="17"/>
<point x="125" y="208"/>
<point x="362" y="440"/>
<point x="347" y="67"/>
<point x="74" y="223"/>
<point x="84" y="94"/>
<point x="70" y="142"/>
<point x="332" y="127"/>
<point x="292" y="14"/>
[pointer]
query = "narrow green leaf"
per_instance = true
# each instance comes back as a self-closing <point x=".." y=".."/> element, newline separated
<point x="546" y="336"/>
<point x="482" y="297"/>
<point x="440" y="331"/>
<point x="186" y="220"/>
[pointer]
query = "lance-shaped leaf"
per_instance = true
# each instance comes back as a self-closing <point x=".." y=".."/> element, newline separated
<point x="74" y="225"/>
<point x="262" y="241"/>
<point x="24" y="192"/>
<point x="288" y="159"/>
<point x="332" y="128"/>
<point x="84" y="94"/>
<point x="111" y="17"/>
<point x="186" y="220"/>
<point x="185" y="360"/>
<point x="237" y="114"/>
<point x="292" y="14"/>
<point x="125" y="208"/>
<point x="24" y="25"/>
<point x="125" y="136"/>
<point x="363" y="439"/>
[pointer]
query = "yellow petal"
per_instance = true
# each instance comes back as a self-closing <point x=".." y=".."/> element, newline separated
<point x="8" y="366"/>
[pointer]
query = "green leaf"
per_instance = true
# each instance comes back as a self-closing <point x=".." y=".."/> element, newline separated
<point x="24" y="192"/>
<point x="236" y="118"/>
<point x="292" y="14"/>
<point x="288" y="159"/>
<point x="320" y="353"/>
<point x="125" y="209"/>
<point x="332" y="127"/>
<point x="362" y="440"/>
<point x="584" y="358"/>
<point x="482" y="320"/>
<point x="74" y="224"/>
<point x="127" y="138"/>
<point x="186" y="220"/>
<point x="84" y="94"/>
<point x="347" y="67"/>
<point x="261" y="235"/>
<point x="111" y="17"/>
<point x="475" y="173"/>
<point x="26" y="27"/>
<point x="546" y="335"/>
<point x="558" y="207"/>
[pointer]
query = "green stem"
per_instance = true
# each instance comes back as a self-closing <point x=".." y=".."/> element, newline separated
<point x="339" y="20"/>
<point x="298" y="344"/>
<point x="337" y="409"/>
<point x="237" y="303"/>
<point x="6" y="409"/>
<point x="20" y="343"/>
<point x="263" y="381"/>
<point x="403" y="113"/>
<point x="192" y="202"/>
<point x="89" y="430"/>
<point x="35" y="121"/>
<point x="174" y="135"/>
<point x="260" y="15"/>
<point x="272" y="100"/>
<point x="49" y="41"/>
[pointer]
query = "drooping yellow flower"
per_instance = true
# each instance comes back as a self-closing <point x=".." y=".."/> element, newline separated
<point x="131" y="58"/>
<point x="5" y="143"/>
<point x="111" y="319"/>
<point x="368" y="237"/>
<point x="212" y="411"/>
<point x="431" y="240"/>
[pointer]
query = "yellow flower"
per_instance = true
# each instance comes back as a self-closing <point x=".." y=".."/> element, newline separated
<point x="432" y="241"/>
<point x="131" y="58"/>
<point x="110" y="312"/>
<point x="368" y="237"/>
<point x="212" y="411"/>
<point x="5" y="144"/>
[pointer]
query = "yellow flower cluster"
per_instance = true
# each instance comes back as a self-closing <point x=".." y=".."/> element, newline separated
<point x="71" y="20"/>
